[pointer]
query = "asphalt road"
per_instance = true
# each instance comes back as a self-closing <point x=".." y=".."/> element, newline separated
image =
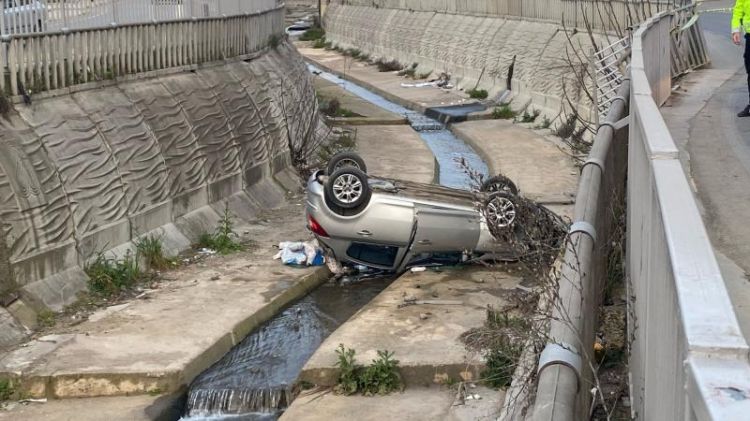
<point x="716" y="151"/>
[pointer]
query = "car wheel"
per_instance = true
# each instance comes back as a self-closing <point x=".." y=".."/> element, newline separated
<point x="345" y="160"/>
<point x="500" y="183"/>
<point x="347" y="188"/>
<point x="501" y="210"/>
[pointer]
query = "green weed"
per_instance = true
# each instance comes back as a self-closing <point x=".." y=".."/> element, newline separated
<point x="503" y="112"/>
<point x="46" y="318"/>
<point x="379" y="378"/>
<point x="110" y="276"/>
<point x="7" y="389"/>
<point x="313" y="34"/>
<point x="150" y="248"/>
<point x="545" y="124"/>
<point x="530" y="117"/>
<point x="222" y="241"/>
<point x="333" y="108"/>
<point x="424" y="75"/>
<point x="500" y="365"/>
<point x="348" y="371"/>
<point x="477" y="93"/>
<point x="567" y="128"/>
<point x="274" y="41"/>
<point x="320" y="43"/>
<point x="388" y="66"/>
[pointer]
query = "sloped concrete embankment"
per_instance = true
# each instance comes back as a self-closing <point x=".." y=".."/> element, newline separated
<point x="476" y="51"/>
<point x="95" y="170"/>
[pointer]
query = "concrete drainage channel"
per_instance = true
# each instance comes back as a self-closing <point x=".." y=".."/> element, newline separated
<point x="444" y="144"/>
<point x="255" y="380"/>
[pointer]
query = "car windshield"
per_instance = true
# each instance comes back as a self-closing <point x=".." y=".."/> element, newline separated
<point x="384" y="256"/>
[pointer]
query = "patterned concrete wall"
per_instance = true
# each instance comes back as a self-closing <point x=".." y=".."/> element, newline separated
<point x="91" y="171"/>
<point x="470" y="48"/>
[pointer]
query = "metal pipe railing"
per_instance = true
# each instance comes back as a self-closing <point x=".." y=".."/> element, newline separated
<point x="565" y="362"/>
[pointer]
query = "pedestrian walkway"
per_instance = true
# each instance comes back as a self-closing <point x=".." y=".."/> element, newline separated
<point x="715" y="151"/>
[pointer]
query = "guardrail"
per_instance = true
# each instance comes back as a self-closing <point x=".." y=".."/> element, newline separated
<point x="689" y="359"/>
<point x="55" y="60"/>
<point x="35" y="16"/>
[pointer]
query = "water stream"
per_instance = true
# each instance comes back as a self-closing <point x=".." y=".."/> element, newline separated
<point x="254" y="380"/>
<point x="446" y="147"/>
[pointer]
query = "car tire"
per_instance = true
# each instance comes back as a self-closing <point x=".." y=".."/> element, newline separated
<point x="347" y="189"/>
<point x="499" y="183"/>
<point x="344" y="160"/>
<point x="501" y="211"/>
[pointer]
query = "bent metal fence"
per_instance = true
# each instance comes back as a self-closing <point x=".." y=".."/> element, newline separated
<point x="688" y="358"/>
<point x="59" y="59"/>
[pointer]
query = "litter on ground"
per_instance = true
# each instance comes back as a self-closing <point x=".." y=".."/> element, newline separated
<point x="299" y="253"/>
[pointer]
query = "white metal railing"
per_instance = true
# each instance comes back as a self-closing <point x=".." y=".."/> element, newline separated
<point x="689" y="360"/>
<point x="55" y="60"/>
<point x="608" y="65"/>
<point x="34" y="16"/>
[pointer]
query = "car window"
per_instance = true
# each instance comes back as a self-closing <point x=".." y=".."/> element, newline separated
<point x="373" y="254"/>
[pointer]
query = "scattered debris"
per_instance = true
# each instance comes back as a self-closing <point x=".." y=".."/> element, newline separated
<point x="300" y="253"/>
<point x="414" y="302"/>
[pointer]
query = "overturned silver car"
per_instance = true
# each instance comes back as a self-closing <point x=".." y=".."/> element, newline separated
<point x="393" y="225"/>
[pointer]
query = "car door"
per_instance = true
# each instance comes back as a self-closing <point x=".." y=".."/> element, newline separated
<point x="445" y="229"/>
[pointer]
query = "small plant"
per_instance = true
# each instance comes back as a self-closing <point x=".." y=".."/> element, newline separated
<point x="313" y="34"/>
<point x="111" y="276"/>
<point x="568" y="128"/>
<point x="274" y="41"/>
<point x="155" y="392"/>
<point x="364" y="57"/>
<point x="500" y="364"/>
<point x="348" y="376"/>
<point x="530" y="117"/>
<point x="319" y="43"/>
<point x="424" y="75"/>
<point x="328" y="45"/>
<point x="353" y="52"/>
<point x="222" y="240"/>
<point x="381" y="377"/>
<point x="388" y="66"/>
<point x="46" y="318"/>
<point x="503" y="112"/>
<point x="333" y="108"/>
<point x="151" y="250"/>
<point x="477" y="93"/>
<point x="4" y="103"/>
<point x="7" y="389"/>
<point x="546" y="123"/>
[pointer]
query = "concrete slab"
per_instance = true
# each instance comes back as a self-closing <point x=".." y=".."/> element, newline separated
<point x="396" y="151"/>
<point x="113" y="409"/>
<point x="425" y="338"/>
<point x="414" y="404"/>
<point x="163" y="340"/>
<point x="386" y="84"/>
<point x="540" y="169"/>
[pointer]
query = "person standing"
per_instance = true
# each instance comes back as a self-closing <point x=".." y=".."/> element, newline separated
<point x="741" y="26"/>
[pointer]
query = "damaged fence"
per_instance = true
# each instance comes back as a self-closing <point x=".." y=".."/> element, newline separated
<point x="53" y="60"/>
<point x="688" y="358"/>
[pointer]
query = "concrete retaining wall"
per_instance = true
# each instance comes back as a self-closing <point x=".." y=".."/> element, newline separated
<point x="474" y="50"/>
<point x="92" y="171"/>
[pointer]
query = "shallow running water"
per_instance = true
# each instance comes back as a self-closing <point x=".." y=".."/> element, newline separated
<point x="444" y="144"/>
